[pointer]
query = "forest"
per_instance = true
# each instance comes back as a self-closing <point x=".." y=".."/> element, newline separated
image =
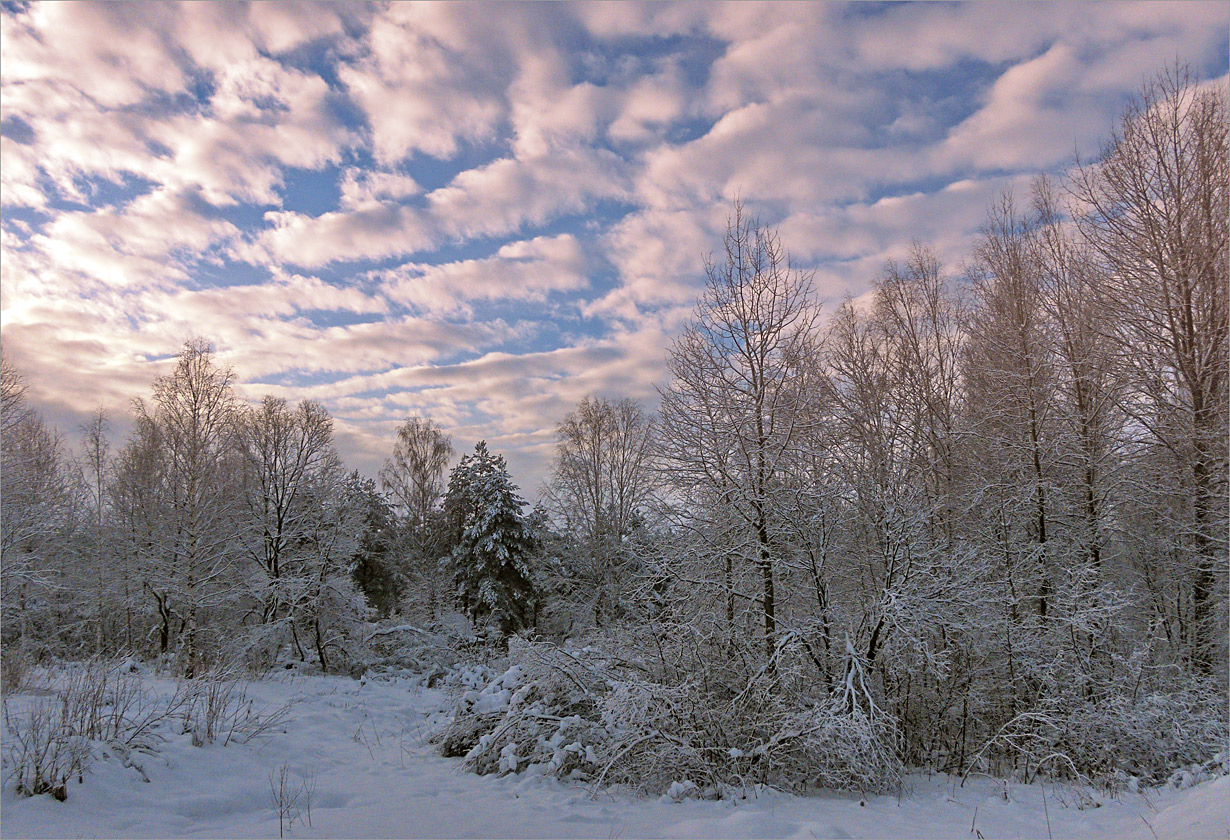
<point x="973" y="521"/>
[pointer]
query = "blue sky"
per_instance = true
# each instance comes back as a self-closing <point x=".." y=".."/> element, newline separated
<point x="482" y="212"/>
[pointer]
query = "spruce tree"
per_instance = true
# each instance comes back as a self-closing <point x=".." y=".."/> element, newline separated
<point x="491" y="543"/>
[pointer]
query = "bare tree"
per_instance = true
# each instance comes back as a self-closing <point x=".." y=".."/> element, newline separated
<point x="194" y="412"/>
<point x="137" y="492"/>
<point x="96" y="457"/>
<point x="13" y="405"/>
<point x="893" y="511"/>
<point x="895" y="379"/>
<point x="1087" y="383"/>
<point x="414" y="477"/>
<point x="921" y="315"/>
<point x="326" y="601"/>
<point x="39" y="513"/>
<point x="600" y="480"/>
<point x="1153" y="210"/>
<point x="733" y="418"/>
<point x="1011" y="375"/>
<point x="286" y="451"/>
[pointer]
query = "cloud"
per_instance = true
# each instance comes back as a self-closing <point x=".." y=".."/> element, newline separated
<point x="506" y="195"/>
<point x="138" y="245"/>
<point x="499" y="198"/>
<point x="105" y="111"/>
<point x="484" y="213"/>
<point x="649" y="105"/>
<point x="19" y="174"/>
<point x="365" y="188"/>
<point x="427" y="81"/>
<point x="520" y="271"/>
<point x="1005" y="133"/>
<point x="113" y="54"/>
<point x="373" y="230"/>
<point x="263" y="118"/>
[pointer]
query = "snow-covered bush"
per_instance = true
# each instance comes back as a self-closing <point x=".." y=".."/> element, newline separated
<point x="44" y="753"/>
<point x="540" y="712"/>
<point x="758" y="737"/>
<point x="101" y="707"/>
<point x="1151" y="739"/>
<point x="611" y="719"/>
<point x="433" y="651"/>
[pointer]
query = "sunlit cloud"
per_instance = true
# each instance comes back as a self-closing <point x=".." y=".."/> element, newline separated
<point x="483" y="212"/>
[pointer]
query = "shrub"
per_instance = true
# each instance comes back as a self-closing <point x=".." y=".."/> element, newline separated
<point x="218" y="708"/>
<point x="1117" y="739"/>
<point x="586" y="714"/>
<point x="44" y="752"/>
<point x="1148" y="737"/>
<point x="14" y="669"/>
<point x="99" y="704"/>
<point x="96" y="703"/>
<point x="725" y="744"/>
<point x="433" y="653"/>
<point x="539" y="712"/>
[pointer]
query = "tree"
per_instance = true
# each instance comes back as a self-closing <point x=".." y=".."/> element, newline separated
<point x="1011" y="379"/>
<point x="40" y="514"/>
<point x="14" y="408"/>
<point x="1153" y="210"/>
<point x="374" y="571"/>
<point x="325" y="601"/>
<point x="600" y="480"/>
<point x="413" y="476"/>
<point x="137" y="499"/>
<point x="1088" y="385"/>
<point x="100" y="556"/>
<point x="887" y="472"/>
<point x="490" y="543"/>
<point x="737" y="411"/>
<point x="192" y="563"/>
<point x="286" y="454"/>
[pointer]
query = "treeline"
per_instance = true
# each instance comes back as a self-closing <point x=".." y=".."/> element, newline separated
<point x="217" y="530"/>
<point x="974" y="519"/>
<point x="980" y="516"/>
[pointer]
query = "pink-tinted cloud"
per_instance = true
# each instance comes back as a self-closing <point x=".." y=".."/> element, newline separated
<point x="342" y="195"/>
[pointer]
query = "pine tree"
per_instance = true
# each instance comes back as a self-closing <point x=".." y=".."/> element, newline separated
<point x="491" y="543"/>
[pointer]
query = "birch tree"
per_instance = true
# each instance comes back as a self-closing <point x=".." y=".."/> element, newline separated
<point x="734" y="416"/>
<point x="600" y="481"/>
<point x="286" y="452"/>
<point x="413" y="477"/>
<point x="1153" y="210"/>
<point x="194" y="413"/>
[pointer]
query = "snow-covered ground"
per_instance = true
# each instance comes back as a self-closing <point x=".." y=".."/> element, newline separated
<point x="364" y="747"/>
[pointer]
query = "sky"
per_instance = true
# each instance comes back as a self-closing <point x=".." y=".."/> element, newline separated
<point x="481" y="213"/>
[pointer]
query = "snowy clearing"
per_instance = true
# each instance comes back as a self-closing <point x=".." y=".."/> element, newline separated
<point x="364" y="746"/>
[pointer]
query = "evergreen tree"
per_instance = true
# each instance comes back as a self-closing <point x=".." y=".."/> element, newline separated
<point x="375" y="572"/>
<point x="491" y="543"/>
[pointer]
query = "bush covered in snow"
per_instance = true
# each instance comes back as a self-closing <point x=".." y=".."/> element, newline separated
<point x="96" y="704"/>
<point x="539" y="712"/>
<point x="725" y="729"/>
<point x="1148" y="737"/>
<point x="1120" y="741"/>
<point x="594" y="715"/>
<point x="446" y="650"/>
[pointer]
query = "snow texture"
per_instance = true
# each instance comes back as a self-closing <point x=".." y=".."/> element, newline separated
<point x="364" y="745"/>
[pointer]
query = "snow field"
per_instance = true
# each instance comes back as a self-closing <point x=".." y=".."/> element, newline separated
<point x="361" y="746"/>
